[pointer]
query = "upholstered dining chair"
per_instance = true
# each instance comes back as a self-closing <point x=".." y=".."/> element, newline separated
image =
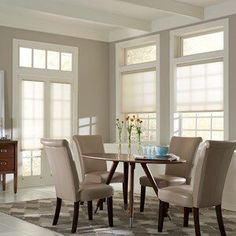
<point x="67" y="182"/>
<point x="206" y="188"/>
<point x="95" y="170"/>
<point x="184" y="147"/>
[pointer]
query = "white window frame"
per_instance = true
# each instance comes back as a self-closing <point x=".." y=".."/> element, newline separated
<point x="120" y="68"/>
<point x="44" y="75"/>
<point x="176" y="58"/>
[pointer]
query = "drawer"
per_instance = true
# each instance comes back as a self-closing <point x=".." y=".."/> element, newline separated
<point x="7" y="164"/>
<point x="6" y="150"/>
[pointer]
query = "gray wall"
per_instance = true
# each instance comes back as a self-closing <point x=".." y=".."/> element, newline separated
<point x="93" y="72"/>
<point x="164" y="84"/>
<point x="232" y="77"/>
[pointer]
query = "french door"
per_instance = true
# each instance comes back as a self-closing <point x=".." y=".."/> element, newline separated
<point x="45" y="102"/>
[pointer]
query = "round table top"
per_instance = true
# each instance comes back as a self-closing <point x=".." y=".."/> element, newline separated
<point x="130" y="158"/>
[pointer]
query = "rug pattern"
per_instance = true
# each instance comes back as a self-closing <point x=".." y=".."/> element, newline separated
<point x="40" y="212"/>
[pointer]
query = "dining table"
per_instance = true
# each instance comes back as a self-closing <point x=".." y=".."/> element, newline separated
<point x="129" y="161"/>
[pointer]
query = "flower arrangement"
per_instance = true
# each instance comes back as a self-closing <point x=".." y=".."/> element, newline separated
<point x="129" y="126"/>
<point x="119" y="125"/>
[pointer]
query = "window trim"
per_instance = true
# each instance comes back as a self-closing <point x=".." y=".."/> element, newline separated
<point x="120" y="68"/>
<point x="176" y="58"/>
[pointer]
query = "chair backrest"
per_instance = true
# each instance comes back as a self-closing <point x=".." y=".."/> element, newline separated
<point x="185" y="148"/>
<point x="211" y="171"/>
<point x="63" y="168"/>
<point x="90" y="144"/>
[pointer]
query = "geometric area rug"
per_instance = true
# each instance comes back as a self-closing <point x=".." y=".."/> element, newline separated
<point x="41" y="212"/>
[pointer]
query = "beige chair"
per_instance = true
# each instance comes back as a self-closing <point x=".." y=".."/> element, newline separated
<point x="67" y="182"/>
<point x="184" y="147"/>
<point x="95" y="170"/>
<point x="207" y="187"/>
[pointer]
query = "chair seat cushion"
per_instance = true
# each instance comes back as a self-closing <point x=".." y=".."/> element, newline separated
<point x="163" y="181"/>
<point x="177" y="195"/>
<point x="92" y="191"/>
<point x="101" y="177"/>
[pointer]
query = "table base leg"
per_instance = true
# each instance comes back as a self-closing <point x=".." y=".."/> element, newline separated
<point x="131" y="222"/>
<point x="125" y="185"/>
<point x="131" y="193"/>
<point x="109" y="178"/>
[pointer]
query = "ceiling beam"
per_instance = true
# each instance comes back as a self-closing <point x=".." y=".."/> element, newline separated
<point x="170" y="6"/>
<point x="63" y="9"/>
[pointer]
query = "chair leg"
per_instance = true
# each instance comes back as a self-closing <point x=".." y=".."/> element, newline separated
<point x="75" y="217"/>
<point x="220" y="220"/>
<point x="196" y="221"/>
<point x="90" y="210"/>
<point x="186" y="216"/>
<point x="142" y="200"/>
<point x="110" y="211"/>
<point x="101" y="205"/>
<point x="57" y="211"/>
<point x="161" y="216"/>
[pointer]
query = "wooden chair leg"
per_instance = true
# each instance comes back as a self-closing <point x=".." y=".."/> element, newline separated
<point x="196" y="221"/>
<point x="220" y="220"/>
<point x="186" y="216"/>
<point x="75" y="217"/>
<point x="110" y="211"/>
<point x="90" y="210"/>
<point x="57" y="211"/>
<point x="101" y="205"/>
<point x="142" y="200"/>
<point x="161" y="216"/>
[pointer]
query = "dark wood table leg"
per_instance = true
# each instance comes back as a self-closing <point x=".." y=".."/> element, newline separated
<point x="131" y="194"/>
<point x="3" y="182"/>
<point x="155" y="186"/>
<point x="150" y="177"/>
<point x="125" y="184"/>
<point x="112" y="171"/>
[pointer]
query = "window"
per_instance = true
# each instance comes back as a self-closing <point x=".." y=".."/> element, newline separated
<point x="199" y="83"/>
<point x="203" y="43"/>
<point x="138" y="70"/>
<point x="37" y="58"/>
<point x="140" y="54"/>
<point x="45" y="86"/>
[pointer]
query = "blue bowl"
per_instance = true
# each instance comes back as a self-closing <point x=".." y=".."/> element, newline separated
<point x="161" y="150"/>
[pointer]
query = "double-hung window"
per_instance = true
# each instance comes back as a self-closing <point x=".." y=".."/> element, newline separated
<point x="137" y="66"/>
<point x="199" y="81"/>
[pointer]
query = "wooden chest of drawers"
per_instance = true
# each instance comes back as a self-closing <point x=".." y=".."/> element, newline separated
<point x="8" y="161"/>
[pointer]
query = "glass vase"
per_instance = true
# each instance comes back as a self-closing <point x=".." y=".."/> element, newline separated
<point x="119" y="141"/>
<point x="129" y="144"/>
<point x="139" y="145"/>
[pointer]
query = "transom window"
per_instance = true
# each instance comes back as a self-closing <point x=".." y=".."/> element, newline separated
<point x="45" y="59"/>
<point x="136" y="55"/>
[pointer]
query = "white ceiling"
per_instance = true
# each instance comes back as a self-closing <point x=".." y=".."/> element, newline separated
<point x="203" y="3"/>
<point x="104" y="20"/>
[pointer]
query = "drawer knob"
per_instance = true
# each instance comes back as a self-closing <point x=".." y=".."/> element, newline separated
<point x="3" y="150"/>
<point x="3" y="163"/>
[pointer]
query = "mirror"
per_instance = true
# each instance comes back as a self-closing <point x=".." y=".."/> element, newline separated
<point x="2" y="105"/>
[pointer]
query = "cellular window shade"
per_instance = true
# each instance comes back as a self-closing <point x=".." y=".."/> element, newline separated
<point x="199" y="87"/>
<point x="139" y="92"/>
